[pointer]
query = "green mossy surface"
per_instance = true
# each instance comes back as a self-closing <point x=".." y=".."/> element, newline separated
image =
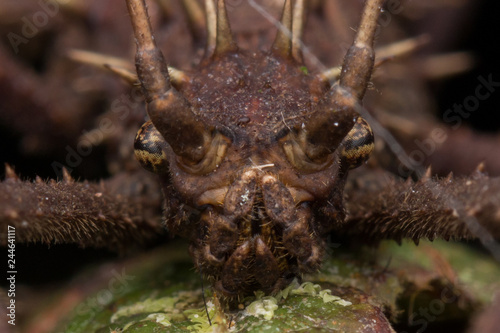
<point x="355" y="291"/>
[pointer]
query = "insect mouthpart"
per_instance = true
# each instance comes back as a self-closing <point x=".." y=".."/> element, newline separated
<point x="258" y="239"/>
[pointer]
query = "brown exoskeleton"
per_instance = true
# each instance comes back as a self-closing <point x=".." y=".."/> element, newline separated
<point x="253" y="152"/>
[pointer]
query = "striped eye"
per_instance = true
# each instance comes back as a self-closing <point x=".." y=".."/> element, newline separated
<point x="148" y="149"/>
<point x="358" y="144"/>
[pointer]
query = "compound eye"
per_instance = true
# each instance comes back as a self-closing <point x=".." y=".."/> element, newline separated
<point x="148" y="149"/>
<point x="358" y="144"/>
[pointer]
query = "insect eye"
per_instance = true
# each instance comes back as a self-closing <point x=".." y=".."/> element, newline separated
<point x="358" y="144"/>
<point x="149" y="149"/>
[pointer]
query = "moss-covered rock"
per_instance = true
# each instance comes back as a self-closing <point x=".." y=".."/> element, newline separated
<point x="359" y="291"/>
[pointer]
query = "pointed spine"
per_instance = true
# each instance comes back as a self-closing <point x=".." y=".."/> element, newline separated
<point x="449" y="178"/>
<point x="298" y="29"/>
<point x="224" y="41"/>
<point x="211" y="20"/>
<point x="283" y="43"/>
<point x="426" y="177"/>
<point x="10" y="174"/>
<point x="67" y="176"/>
<point x="481" y="168"/>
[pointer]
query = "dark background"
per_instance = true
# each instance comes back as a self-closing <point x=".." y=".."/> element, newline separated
<point x="39" y="266"/>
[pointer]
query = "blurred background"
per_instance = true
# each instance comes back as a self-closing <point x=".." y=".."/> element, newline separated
<point x="51" y="106"/>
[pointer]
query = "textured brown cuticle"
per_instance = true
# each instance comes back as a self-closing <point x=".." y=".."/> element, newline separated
<point x="253" y="146"/>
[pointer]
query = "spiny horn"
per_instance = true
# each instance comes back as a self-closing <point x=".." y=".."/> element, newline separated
<point x="10" y="174"/>
<point x="358" y="62"/>
<point x="298" y="29"/>
<point x="170" y="112"/>
<point x="224" y="42"/>
<point x="173" y="118"/>
<point x="211" y="18"/>
<point x="335" y="116"/>
<point x="155" y="82"/>
<point x="283" y="43"/>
